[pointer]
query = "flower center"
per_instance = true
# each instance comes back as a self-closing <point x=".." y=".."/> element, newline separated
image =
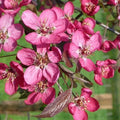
<point x="105" y="70"/>
<point x="81" y="102"/>
<point x="41" y="61"/>
<point x="3" y="36"/>
<point x="90" y="7"/>
<point x="83" y="52"/>
<point x="11" y="76"/>
<point x="45" y="30"/>
<point x="41" y="86"/>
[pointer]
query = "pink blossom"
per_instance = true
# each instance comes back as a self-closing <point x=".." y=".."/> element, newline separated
<point x="9" y="33"/>
<point x="46" y="27"/>
<point x="90" y="7"/>
<point x="107" y="46"/>
<point x="13" y="76"/>
<point x="41" y="63"/>
<point x="117" y="41"/>
<point x="42" y="90"/>
<point x="81" y="47"/>
<point x="88" y="25"/>
<point x="82" y="103"/>
<point x="104" y="69"/>
<point x="112" y="2"/>
<point x="12" y="6"/>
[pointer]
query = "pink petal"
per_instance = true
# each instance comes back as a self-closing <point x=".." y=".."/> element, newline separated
<point x="80" y="115"/>
<point x="98" y="79"/>
<point x="33" y="98"/>
<point x="17" y="68"/>
<point x="59" y="12"/>
<point x="11" y="12"/>
<point x="73" y="50"/>
<point x="26" y="56"/>
<point x="106" y="62"/>
<point x="47" y="17"/>
<point x="108" y="72"/>
<point x="11" y="86"/>
<point x="9" y="45"/>
<point x="69" y="9"/>
<point x="43" y="48"/>
<point x="48" y="95"/>
<point x="51" y="72"/>
<point x="51" y="38"/>
<point x="92" y="104"/>
<point x="72" y="108"/>
<point x="54" y="55"/>
<point x="60" y="26"/>
<point x="30" y="19"/>
<point x="33" y="38"/>
<point x="3" y="72"/>
<point x="87" y="64"/>
<point x="24" y="2"/>
<point x="32" y="75"/>
<point x="79" y="38"/>
<point x="6" y="21"/>
<point x="15" y="31"/>
<point x="86" y="92"/>
<point x="94" y="43"/>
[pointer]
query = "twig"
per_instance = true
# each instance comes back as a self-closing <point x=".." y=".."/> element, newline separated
<point x="7" y="55"/>
<point x="108" y="28"/>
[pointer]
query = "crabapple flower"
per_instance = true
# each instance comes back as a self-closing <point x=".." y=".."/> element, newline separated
<point x="46" y="27"/>
<point x="107" y="46"/>
<point x="41" y="63"/>
<point x="9" y="33"/>
<point x="42" y="90"/>
<point x="104" y="69"/>
<point x="82" y="103"/>
<point x="117" y="41"/>
<point x="13" y="76"/>
<point x="113" y="2"/>
<point x="90" y="7"/>
<point x="88" y="25"/>
<point x="81" y="47"/>
<point x="13" y="6"/>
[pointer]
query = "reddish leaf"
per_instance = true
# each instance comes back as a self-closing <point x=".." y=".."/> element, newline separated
<point x="57" y="105"/>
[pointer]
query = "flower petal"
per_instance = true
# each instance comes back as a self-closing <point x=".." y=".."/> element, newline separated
<point x="87" y="64"/>
<point x="15" y="31"/>
<point x="48" y="95"/>
<point x="47" y="17"/>
<point x="79" y="38"/>
<point x="51" y="72"/>
<point x="92" y="104"/>
<point x="26" y="56"/>
<point x="30" y="19"/>
<point x="33" y="98"/>
<point x="9" y="45"/>
<point x="6" y="21"/>
<point x="11" y="86"/>
<point x="69" y="8"/>
<point x="54" y="55"/>
<point x="95" y="41"/>
<point x="33" y="38"/>
<point x="32" y="75"/>
<point x="80" y="115"/>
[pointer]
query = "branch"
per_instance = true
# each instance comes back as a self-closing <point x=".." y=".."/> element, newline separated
<point x="7" y="55"/>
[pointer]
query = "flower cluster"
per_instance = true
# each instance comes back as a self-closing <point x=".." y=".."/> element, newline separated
<point x="56" y="37"/>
